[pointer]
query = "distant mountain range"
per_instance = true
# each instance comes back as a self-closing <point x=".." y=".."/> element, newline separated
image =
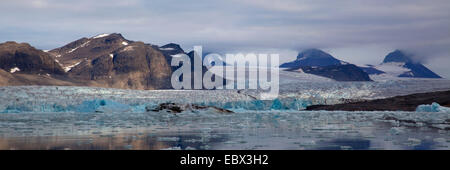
<point x="106" y="60"/>
<point x="110" y="60"/>
<point x="395" y="64"/>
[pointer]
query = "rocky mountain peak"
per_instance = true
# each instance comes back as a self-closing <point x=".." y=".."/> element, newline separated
<point x="313" y="57"/>
<point x="313" y="53"/>
<point x="397" y="56"/>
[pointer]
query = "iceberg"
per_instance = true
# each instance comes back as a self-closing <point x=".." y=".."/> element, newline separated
<point x="434" y="107"/>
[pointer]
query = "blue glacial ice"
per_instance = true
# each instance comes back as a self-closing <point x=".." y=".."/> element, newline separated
<point x="434" y="107"/>
<point x="294" y="95"/>
<point x="103" y="106"/>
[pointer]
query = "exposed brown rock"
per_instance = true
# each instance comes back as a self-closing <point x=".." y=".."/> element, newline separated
<point x="24" y="58"/>
<point x="134" y="66"/>
<point x="88" y="48"/>
<point x="102" y="61"/>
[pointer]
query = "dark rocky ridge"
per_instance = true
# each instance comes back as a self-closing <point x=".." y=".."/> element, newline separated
<point x="348" y="72"/>
<point x="398" y="103"/>
<point x="27" y="59"/>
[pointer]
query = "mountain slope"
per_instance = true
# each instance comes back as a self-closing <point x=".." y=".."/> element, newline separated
<point x="106" y="60"/>
<point x="398" y="64"/>
<point x="88" y="49"/>
<point x="312" y="57"/>
<point x="113" y="61"/>
<point x="23" y="58"/>
<point x="317" y="62"/>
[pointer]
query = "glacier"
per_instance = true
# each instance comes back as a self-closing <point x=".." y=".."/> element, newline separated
<point x="295" y="94"/>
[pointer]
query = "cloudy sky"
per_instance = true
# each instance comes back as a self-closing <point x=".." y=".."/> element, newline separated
<point x="357" y="31"/>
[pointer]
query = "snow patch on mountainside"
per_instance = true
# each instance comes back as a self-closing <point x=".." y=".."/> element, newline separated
<point x="393" y="68"/>
<point x="68" y="68"/>
<point x="101" y="35"/>
<point x="167" y="49"/>
<point x="76" y="48"/>
<point x="128" y="48"/>
<point x="15" y="69"/>
<point x="178" y="55"/>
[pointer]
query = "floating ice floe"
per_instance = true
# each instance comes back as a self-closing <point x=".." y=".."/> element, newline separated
<point x="434" y="107"/>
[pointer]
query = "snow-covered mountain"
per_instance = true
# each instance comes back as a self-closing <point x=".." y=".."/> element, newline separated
<point x="318" y="62"/>
<point x="399" y="64"/>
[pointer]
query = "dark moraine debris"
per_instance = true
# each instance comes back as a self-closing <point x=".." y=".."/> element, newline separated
<point x="398" y="103"/>
<point x="178" y="108"/>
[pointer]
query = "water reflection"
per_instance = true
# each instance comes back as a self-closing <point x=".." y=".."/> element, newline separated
<point x="340" y="144"/>
<point x="256" y="131"/>
<point x="140" y="141"/>
<point x="216" y="140"/>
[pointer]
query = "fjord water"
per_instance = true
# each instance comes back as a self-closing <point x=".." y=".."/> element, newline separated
<point x="39" y="117"/>
<point x="207" y="130"/>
